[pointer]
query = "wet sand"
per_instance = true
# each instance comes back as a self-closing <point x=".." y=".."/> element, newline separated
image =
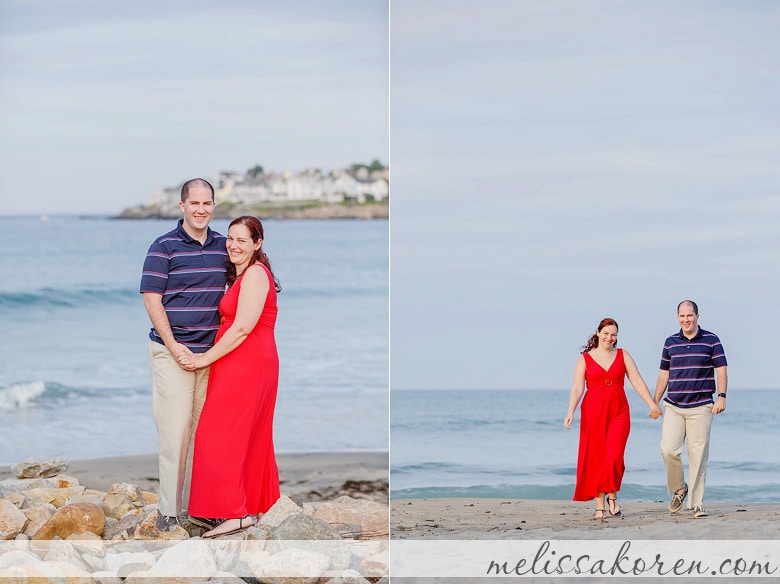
<point x="541" y="519"/>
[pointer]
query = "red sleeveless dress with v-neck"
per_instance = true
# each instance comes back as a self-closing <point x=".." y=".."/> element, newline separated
<point x="605" y="422"/>
<point x="234" y="470"/>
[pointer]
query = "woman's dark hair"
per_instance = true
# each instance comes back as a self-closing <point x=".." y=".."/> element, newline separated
<point x="256" y="232"/>
<point x="593" y="341"/>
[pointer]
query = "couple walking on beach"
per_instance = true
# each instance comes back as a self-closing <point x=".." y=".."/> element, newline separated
<point x="693" y="368"/>
<point x="215" y="367"/>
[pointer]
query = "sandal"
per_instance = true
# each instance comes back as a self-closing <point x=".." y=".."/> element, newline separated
<point x="610" y="501"/>
<point x="205" y="522"/>
<point x="600" y="515"/>
<point x="241" y="527"/>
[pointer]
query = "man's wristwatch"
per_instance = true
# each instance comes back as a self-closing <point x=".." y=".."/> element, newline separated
<point x="723" y="395"/>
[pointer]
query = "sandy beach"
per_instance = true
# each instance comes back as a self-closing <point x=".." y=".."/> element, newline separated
<point x="310" y="476"/>
<point x="542" y="519"/>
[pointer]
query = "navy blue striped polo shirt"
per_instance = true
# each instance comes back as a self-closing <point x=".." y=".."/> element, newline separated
<point x="691" y="364"/>
<point x="191" y="278"/>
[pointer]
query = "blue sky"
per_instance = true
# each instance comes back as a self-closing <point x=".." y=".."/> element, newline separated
<point x="557" y="162"/>
<point x="103" y="103"/>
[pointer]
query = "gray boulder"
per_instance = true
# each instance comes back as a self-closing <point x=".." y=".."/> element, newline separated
<point x="12" y="520"/>
<point x="36" y="468"/>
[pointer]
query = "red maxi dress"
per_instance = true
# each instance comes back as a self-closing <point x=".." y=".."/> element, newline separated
<point x="605" y="422"/>
<point x="234" y="470"/>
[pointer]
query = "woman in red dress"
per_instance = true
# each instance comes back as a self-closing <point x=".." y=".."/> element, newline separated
<point x="605" y="420"/>
<point x="234" y="472"/>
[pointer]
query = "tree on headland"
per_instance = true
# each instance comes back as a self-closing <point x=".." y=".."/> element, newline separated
<point x="255" y="170"/>
<point x="375" y="165"/>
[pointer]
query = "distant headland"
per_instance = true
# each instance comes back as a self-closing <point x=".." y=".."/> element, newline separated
<point x="358" y="192"/>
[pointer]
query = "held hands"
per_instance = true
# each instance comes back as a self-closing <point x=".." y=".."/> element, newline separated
<point x="655" y="411"/>
<point x="186" y="362"/>
<point x="191" y="362"/>
<point x="182" y="354"/>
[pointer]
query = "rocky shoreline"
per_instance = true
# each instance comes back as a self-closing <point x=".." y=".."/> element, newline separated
<point x="51" y="525"/>
<point x="312" y="211"/>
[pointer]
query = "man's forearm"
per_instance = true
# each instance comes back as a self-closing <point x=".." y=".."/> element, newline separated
<point x="159" y="318"/>
<point x="722" y="379"/>
<point x="660" y="385"/>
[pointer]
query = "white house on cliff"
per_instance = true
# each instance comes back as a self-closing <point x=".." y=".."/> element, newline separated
<point x="338" y="186"/>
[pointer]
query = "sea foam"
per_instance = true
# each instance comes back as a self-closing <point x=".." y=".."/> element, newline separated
<point x="19" y="395"/>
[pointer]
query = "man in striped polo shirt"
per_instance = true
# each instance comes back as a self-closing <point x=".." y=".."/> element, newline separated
<point x="183" y="281"/>
<point x="693" y="368"/>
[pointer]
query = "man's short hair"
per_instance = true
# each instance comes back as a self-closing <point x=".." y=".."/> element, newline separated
<point x="195" y="182"/>
<point x="692" y="303"/>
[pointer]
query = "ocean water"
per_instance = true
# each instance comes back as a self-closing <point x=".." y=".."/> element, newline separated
<point x="513" y="444"/>
<point x="75" y="381"/>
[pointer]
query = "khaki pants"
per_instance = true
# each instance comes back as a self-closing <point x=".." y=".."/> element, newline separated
<point x="177" y="400"/>
<point x="693" y="425"/>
